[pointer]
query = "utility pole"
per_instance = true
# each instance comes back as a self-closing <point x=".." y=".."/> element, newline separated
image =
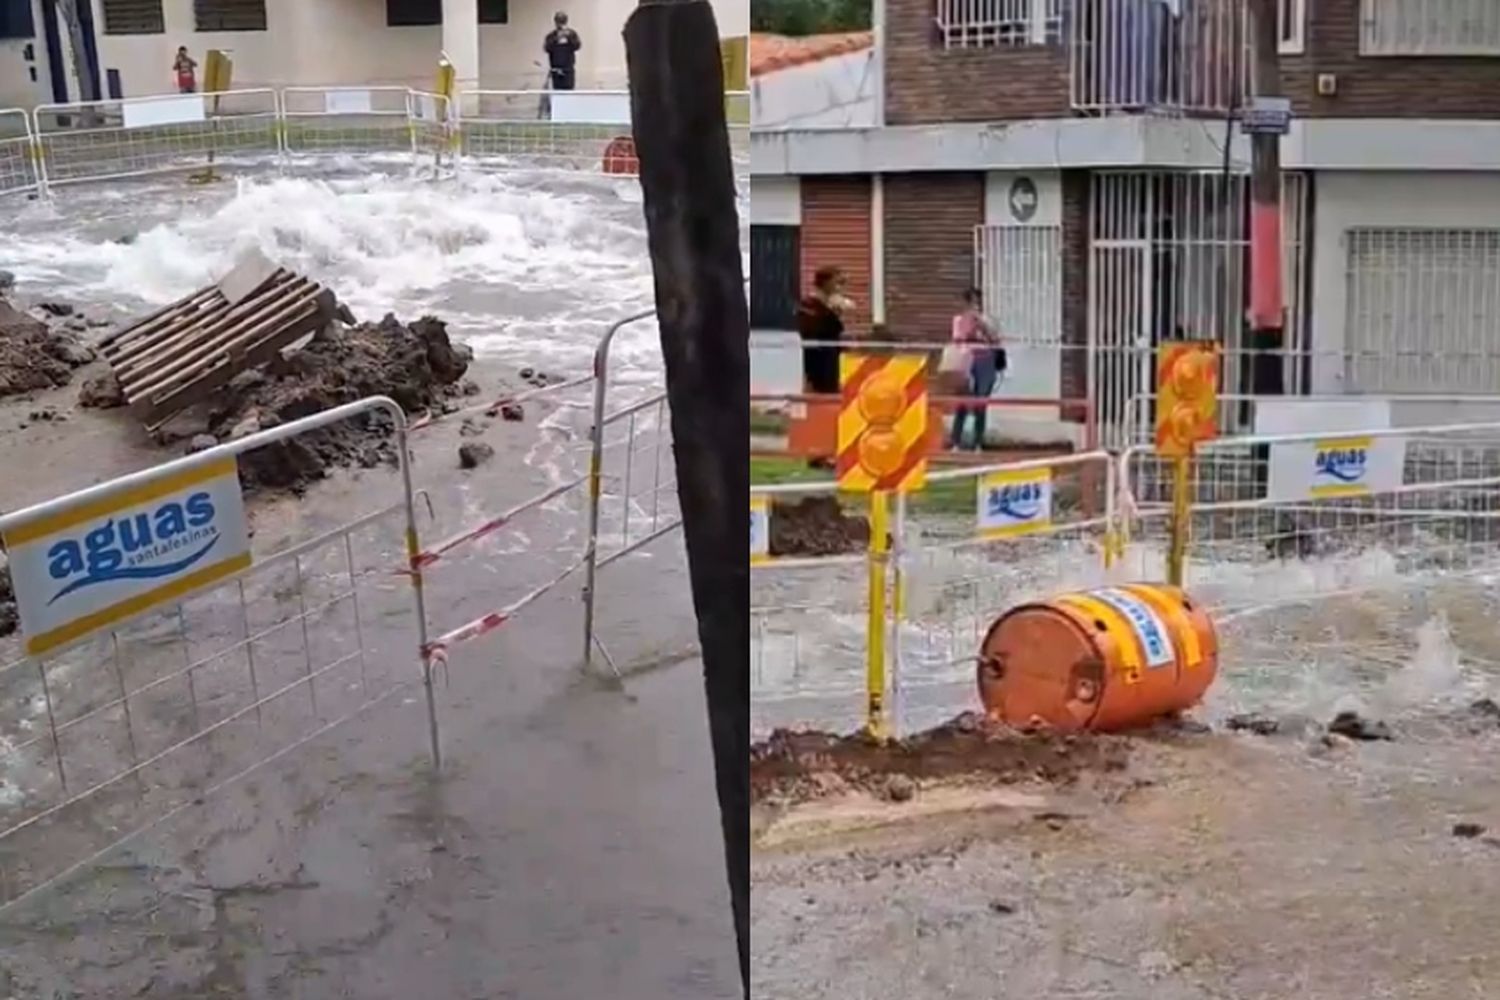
<point x="1267" y="120"/>
<point x="692" y="228"/>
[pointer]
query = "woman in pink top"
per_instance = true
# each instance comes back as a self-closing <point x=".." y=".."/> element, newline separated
<point x="986" y="361"/>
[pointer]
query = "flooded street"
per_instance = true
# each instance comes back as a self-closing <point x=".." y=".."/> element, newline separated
<point x="569" y="846"/>
<point x="1217" y="865"/>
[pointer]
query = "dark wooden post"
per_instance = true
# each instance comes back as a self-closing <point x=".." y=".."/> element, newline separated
<point x="687" y="176"/>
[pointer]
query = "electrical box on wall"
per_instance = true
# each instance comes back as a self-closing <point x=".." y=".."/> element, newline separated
<point x="1328" y="84"/>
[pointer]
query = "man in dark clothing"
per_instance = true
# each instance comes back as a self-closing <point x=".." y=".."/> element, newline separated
<point x="562" y="47"/>
<point x="820" y="321"/>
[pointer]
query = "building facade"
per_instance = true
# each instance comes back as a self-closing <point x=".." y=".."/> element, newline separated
<point x="494" y="44"/>
<point x="1079" y="161"/>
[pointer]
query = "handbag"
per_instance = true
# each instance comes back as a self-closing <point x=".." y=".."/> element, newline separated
<point x="956" y="360"/>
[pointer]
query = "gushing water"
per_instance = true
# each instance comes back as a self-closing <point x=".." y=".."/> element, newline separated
<point x="525" y="266"/>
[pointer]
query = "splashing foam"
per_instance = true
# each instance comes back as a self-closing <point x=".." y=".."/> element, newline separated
<point x="519" y="266"/>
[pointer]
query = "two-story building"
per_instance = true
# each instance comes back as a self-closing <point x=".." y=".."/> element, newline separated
<point x="1079" y="161"/>
<point x="130" y="44"/>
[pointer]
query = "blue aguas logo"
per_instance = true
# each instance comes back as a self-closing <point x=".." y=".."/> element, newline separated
<point x="1016" y="501"/>
<point x="130" y="548"/>
<point x="1343" y="465"/>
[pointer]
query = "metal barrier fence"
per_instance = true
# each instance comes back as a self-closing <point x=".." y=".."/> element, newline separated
<point x="108" y="733"/>
<point x="632" y="480"/>
<point x="104" y="738"/>
<point x="975" y="542"/>
<point x="1283" y="519"/>
<point x="347" y="119"/>
<point x="18" y="171"/>
<point x="1115" y="385"/>
<point x="61" y="144"/>
<point x="108" y="140"/>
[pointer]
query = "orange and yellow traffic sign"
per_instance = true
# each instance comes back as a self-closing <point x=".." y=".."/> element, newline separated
<point x="882" y="435"/>
<point x="1187" y="400"/>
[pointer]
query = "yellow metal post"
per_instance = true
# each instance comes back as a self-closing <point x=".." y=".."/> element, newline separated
<point x="1181" y="514"/>
<point x="875" y="629"/>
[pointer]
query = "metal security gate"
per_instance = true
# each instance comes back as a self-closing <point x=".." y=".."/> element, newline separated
<point x="1169" y="260"/>
<point x="1018" y="269"/>
<point x="1422" y="309"/>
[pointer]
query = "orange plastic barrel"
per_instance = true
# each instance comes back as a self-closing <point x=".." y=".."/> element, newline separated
<point x="1105" y="659"/>
<point x="619" y="156"/>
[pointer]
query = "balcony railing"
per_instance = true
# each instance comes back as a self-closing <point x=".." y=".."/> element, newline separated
<point x="1128" y="56"/>
<point x="1173" y="56"/>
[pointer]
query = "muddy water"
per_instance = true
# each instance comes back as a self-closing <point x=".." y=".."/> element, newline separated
<point x="570" y="845"/>
<point x="1228" y="866"/>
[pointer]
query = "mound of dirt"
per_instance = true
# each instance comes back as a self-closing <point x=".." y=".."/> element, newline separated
<point x="801" y="766"/>
<point x="33" y="355"/>
<point x="417" y="365"/>
<point x="816" y="526"/>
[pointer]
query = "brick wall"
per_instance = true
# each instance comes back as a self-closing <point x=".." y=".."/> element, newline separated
<point x="836" y="233"/>
<point x="1383" y="86"/>
<point x="927" y="83"/>
<point x="929" y="249"/>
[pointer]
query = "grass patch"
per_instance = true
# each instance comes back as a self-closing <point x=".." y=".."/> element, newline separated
<point x="762" y="422"/>
<point x="955" y="496"/>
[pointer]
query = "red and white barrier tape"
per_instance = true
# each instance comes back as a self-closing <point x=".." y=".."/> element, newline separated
<point x="436" y="651"/>
<point x="436" y="552"/>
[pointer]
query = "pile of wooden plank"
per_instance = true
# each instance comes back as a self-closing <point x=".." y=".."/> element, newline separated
<point x="186" y="352"/>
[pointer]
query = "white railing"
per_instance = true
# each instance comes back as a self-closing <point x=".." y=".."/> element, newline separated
<point x="344" y="119"/>
<point x="973" y="543"/>
<point x="18" y="164"/>
<point x="107" y="140"/>
<point x="1286" y="519"/>
<point x="60" y="144"/>
<point x="1145" y="55"/>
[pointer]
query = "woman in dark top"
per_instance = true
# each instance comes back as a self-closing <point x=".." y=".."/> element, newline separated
<point x="820" y="321"/>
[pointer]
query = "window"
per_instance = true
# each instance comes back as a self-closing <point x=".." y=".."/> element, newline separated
<point x="229" y="15"/>
<point x="775" y="285"/>
<point x="15" y="19"/>
<point x="1292" y="15"/>
<point x="133" y="17"/>
<point x="970" y="24"/>
<point x="494" y="11"/>
<point x="413" y="13"/>
<point x="1429" y="28"/>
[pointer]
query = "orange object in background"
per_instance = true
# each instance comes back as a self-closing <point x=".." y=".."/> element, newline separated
<point x="1105" y="660"/>
<point x="814" y="433"/>
<point x="619" y="156"/>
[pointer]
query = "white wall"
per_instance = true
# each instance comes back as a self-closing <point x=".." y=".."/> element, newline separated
<point x="776" y="201"/>
<point x="1348" y="200"/>
<point x="998" y="186"/>
<point x="838" y="92"/>
<point x="16" y="87"/>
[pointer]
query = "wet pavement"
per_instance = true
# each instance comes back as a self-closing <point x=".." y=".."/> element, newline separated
<point x="570" y="846"/>
<point x="1237" y="869"/>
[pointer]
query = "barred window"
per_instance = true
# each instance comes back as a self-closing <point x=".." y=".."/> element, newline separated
<point x="133" y="17"/>
<point x="494" y="11"/>
<point x="1429" y="28"/>
<point x="413" y="13"/>
<point x="968" y="24"/>
<point x="230" y="15"/>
